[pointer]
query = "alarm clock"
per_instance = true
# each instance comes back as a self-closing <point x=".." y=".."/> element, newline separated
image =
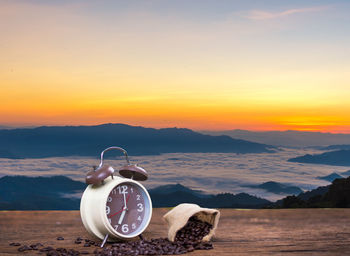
<point x="114" y="207"/>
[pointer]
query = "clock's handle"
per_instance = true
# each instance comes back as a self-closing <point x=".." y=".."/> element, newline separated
<point x="118" y="148"/>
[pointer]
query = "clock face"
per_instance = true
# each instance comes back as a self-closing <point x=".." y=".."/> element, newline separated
<point x="127" y="208"/>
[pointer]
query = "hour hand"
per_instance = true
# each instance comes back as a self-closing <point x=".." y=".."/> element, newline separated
<point x="121" y="217"/>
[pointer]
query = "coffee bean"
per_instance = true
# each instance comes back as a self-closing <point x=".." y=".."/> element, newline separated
<point x="46" y="249"/>
<point x="187" y="239"/>
<point x="15" y="244"/>
<point x="24" y="248"/>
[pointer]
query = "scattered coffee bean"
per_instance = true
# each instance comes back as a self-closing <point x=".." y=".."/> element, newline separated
<point x="46" y="249"/>
<point x="24" y="248"/>
<point x="15" y="244"/>
<point x="187" y="239"/>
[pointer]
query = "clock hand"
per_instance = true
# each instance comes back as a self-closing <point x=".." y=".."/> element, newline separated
<point x="120" y="210"/>
<point x="116" y="213"/>
<point x="124" y="211"/>
<point x="127" y="201"/>
<point x="124" y="201"/>
<point x="121" y="217"/>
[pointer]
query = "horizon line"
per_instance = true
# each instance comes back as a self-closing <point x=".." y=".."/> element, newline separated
<point x="12" y="127"/>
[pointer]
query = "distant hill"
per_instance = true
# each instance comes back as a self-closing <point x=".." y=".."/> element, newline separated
<point x="336" y="147"/>
<point x="5" y="127"/>
<point x="320" y="191"/>
<point x="339" y="157"/>
<point x="330" y="177"/>
<point x="52" y="193"/>
<point x="286" y="138"/>
<point x="304" y="198"/>
<point x="278" y="188"/>
<point x="224" y="200"/>
<point x="336" y="195"/>
<point x="59" y="141"/>
<point x="172" y="195"/>
<point x="346" y="173"/>
<point x="38" y="193"/>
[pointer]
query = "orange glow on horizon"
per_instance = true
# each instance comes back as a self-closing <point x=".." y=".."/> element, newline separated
<point x="65" y="63"/>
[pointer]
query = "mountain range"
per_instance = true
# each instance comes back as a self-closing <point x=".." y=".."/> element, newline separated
<point x="338" y="157"/>
<point x="62" y="193"/>
<point x="59" y="141"/>
<point x="287" y="138"/>
<point x="335" y="195"/>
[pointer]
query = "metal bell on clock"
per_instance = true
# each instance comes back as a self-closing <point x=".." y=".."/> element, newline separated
<point x="130" y="171"/>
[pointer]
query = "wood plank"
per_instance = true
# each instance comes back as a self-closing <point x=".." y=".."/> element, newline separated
<point x="240" y="232"/>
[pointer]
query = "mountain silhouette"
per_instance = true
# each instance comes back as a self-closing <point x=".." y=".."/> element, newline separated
<point x="336" y="147"/>
<point x="287" y="138"/>
<point x="346" y="173"/>
<point x="39" y="193"/>
<point x="330" y="177"/>
<point x="60" y="193"/>
<point x="320" y="191"/>
<point x="336" y="195"/>
<point x="339" y="157"/>
<point x="278" y="188"/>
<point x="59" y="141"/>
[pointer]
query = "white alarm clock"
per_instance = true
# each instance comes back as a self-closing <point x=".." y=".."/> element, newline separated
<point x="114" y="207"/>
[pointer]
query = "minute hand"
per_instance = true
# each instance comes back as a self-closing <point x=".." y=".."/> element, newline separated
<point x="124" y="210"/>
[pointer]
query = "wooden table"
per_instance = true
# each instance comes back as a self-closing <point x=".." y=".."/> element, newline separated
<point x="240" y="232"/>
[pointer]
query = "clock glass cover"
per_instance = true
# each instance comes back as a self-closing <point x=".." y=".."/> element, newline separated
<point x="128" y="209"/>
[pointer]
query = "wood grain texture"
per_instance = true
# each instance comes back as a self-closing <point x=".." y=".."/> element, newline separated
<point x="240" y="232"/>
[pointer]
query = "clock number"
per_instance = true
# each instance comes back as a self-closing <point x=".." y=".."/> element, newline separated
<point x="116" y="227"/>
<point x="132" y="190"/>
<point x="125" y="228"/>
<point x="140" y="207"/>
<point x="114" y="191"/>
<point x="133" y="226"/>
<point x="122" y="189"/>
<point x="109" y="199"/>
<point x="138" y="197"/>
<point x="108" y="210"/>
<point x="139" y="218"/>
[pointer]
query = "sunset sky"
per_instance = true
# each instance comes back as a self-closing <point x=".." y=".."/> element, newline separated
<point x="204" y="65"/>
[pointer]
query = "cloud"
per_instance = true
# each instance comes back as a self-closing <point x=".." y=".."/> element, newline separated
<point x="265" y="15"/>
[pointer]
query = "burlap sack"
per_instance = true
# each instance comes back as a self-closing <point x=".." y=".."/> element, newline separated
<point x="178" y="217"/>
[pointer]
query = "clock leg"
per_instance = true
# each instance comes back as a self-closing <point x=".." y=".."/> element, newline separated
<point x="140" y="236"/>
<point x="104" y="241"/>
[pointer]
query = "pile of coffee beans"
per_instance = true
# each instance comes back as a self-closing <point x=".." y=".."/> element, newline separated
<point x="187" y="239"/>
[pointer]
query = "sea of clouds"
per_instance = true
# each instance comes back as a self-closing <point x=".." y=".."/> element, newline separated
<point x="209" y="172"/>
